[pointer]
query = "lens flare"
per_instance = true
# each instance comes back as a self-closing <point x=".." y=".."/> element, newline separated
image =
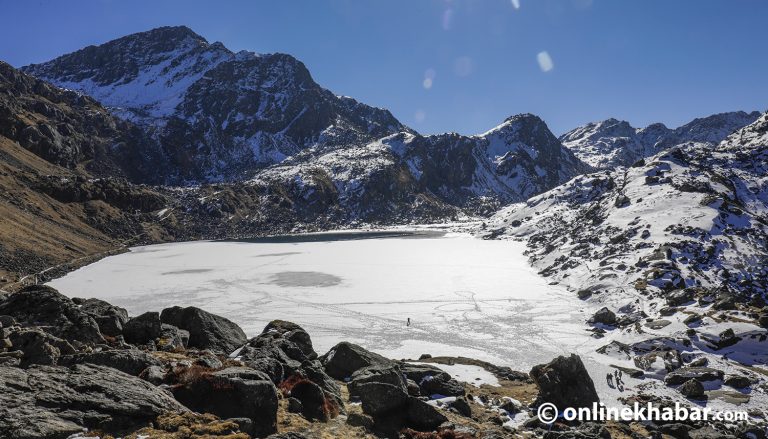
<point x="545" y="61"/>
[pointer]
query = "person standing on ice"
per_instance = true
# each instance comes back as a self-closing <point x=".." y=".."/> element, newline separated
<point x="408" y="322"/>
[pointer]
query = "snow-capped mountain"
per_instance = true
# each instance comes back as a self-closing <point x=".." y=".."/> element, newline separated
<point x="217" y="115"/>
<point x="610" y="143"/>
<point x="691" y="216"/>
<point x="511" y="162"/>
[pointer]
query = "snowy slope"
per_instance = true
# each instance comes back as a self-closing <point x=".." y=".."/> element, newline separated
<point x="690" y="216"/>
<point x="610" y="143"/>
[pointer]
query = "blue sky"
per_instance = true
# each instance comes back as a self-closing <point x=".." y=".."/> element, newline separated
<point x="461" y="65"/>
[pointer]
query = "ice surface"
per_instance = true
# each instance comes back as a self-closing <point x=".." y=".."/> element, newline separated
<point x="464" y="296"/>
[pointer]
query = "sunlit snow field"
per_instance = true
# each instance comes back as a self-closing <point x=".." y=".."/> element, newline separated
<point x="464" y="296"/>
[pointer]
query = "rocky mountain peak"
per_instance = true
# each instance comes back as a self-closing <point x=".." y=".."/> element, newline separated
<point x="612" y="143"/>
<point x="218" y="115"/>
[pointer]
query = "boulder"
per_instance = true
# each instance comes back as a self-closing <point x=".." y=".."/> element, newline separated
<point x="130" y="361"/>
<point x="281" y="329"/>
<point x="55" y="401"/>
<point x="56" y="314"/>
<point x="153" y="374"/>
<point x="385" y="374"/>
<point x="312" y="399"/>
<point x="461" y="405"/>
<point x="432" y="380"/>
<point x="172" y="339"/>
<point x="692" y="389"/>
<point x="379" y="399"/>
<point x="727" y="338"/>
<point x="441" y="385"/>
<point x="206" y="330"/>
<point x="564" y="382"/>
<point x="345" y="358"/>
<point x="143" y="329"/>
<point x="737" y="381"/>
<point x="684" y="374"/>
<point x="235" y="392"/>
<point x="679" y="297"/>
<point x="38" y="347"/>
<point x="286" y="358"/>
<point x="603" y="316"/>
<point x="110" y="318"/>
<point x="422" y="416"/>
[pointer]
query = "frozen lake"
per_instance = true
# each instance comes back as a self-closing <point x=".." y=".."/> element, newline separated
<point x="464" y="296"/>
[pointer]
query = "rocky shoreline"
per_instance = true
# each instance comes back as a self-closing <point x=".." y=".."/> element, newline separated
<point x="82" y="368"/>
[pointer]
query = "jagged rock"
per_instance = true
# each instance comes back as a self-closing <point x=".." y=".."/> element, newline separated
<point x="233" y="393"/>
<point x="153" y="374"/>
<point x="684" y="374"/>
<point x="206" y="330"/>
<point x="510" y="405"/>
<point x="564" y="382"/>
<point x="360" y="420"/>
<point x="725" y="301"/>
<point x="699" y="362"/>
<point x="48" y="401"/>
<point x="43" y="306"/>
<point x="692" y="319"/>
<point x="727" y="338"/>
<point x="412" y="387"/>
<point x="39" y="347"/>
<point x="692" y="389"/>
<point x="142" y="329"/>
<point x="172" y="339"/>
<point x="737" y="381"/>
<point x="668" y="311"/>
<point x="285" y="358"/>
<point x="281" y="329"/>
<point x="130" y="361"/>
<point x="345" y="358"/>
<point x="604" y="316"/>
<point x="110" y="318"/>
<point x="763" y="320"/>
<point x="679" y="297"/>
<point x="461" y="406"/>
<point x="417" y="372"/>
<point x="441" y="384"/>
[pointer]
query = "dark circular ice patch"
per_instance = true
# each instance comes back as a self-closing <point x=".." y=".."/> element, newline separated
<point x="304" y="279"/>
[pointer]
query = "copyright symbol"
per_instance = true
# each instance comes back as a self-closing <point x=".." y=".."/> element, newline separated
<point x="547" y="413"/>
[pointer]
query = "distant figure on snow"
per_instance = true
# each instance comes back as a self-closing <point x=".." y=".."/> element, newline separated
<point x="408" y="322"/>
<point x="609" y="379"/>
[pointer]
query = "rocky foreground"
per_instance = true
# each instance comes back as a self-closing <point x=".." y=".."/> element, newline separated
<point x="83" y="368"/>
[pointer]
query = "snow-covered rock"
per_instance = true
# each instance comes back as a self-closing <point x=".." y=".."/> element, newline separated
<point x="610" y="143"/>
<point x="691" y="216"/>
